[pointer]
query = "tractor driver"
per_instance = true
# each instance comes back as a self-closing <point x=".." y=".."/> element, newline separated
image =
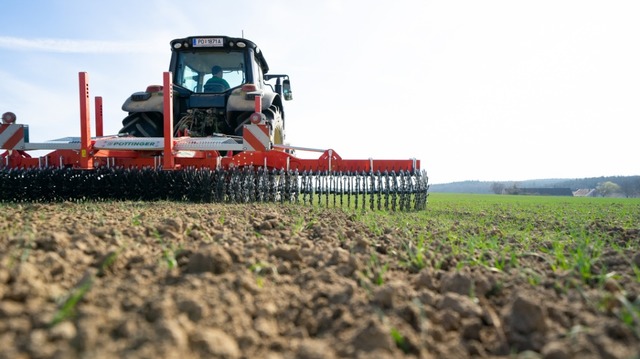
<point x="216" y="83"/>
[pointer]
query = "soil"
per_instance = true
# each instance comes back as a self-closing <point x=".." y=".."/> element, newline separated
<point x="171" y="280"/>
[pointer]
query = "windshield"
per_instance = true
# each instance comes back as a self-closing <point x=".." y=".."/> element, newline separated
<point x="195" y="70"/>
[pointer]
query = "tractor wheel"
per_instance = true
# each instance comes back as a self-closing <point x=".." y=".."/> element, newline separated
<point x="274" y="117"/>
<point x="143" y="124"/>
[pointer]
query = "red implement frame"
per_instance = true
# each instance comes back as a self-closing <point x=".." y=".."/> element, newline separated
<point x="272" y="157"/>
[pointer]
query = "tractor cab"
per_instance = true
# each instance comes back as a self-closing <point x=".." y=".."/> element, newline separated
<point x="194" y="59"/>
<point x="215" y="80"/>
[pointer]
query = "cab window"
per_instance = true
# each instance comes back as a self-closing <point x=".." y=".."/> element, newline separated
<point x="194" y="68"/>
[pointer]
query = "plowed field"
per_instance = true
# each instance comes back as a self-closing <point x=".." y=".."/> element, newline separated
<point x="485" y="276"/>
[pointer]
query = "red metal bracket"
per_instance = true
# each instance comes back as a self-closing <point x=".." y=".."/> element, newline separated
<point x="86" y="159"/>
<point x="169" y="162"/>
<point x="99" y="117"/>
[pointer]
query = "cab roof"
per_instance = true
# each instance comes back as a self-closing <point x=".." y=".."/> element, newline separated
<point x="208" y="42"/>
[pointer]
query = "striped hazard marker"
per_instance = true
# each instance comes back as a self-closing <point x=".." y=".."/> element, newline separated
<point x="256" y="137"/>
<point x="11" y="136"/>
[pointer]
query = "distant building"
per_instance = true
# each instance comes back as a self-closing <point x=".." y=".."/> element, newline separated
<point x="539" y="191"/>
<point x="584" y="192"/>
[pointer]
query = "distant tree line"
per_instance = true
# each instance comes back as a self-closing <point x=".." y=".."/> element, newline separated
<point x="626" y="186"/>
<point x="629" y="186"/>
<point x="498" y="187"/>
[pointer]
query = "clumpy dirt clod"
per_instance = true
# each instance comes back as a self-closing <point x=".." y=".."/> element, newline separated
<point x="174" y="280"/>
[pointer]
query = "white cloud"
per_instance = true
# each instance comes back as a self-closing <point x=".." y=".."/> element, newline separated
<point x="78" y="46"/>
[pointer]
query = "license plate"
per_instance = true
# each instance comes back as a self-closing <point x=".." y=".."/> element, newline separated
<point x="208" y="42"/>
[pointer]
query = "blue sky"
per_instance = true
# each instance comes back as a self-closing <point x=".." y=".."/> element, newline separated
<point x="477" y="90"/>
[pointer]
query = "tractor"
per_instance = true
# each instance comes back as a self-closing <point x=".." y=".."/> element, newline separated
<point x="212" y="132"/>
<point x="215" y="81"/>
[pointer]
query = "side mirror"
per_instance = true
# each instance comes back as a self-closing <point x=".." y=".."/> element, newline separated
<point x="286" y="90"/>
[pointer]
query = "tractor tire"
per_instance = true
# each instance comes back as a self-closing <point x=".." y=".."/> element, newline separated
<point x="274" y="118"/>
<point x="143" y="124"/>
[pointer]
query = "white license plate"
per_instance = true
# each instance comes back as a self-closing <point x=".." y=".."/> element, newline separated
<point x="208" y="42"/>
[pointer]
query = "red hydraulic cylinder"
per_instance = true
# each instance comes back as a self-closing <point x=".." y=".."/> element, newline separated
<point x="168" y="161"/>
<point x="86" y="160"/>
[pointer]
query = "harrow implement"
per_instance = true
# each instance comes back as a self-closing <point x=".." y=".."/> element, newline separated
<point x="228" y="169"/>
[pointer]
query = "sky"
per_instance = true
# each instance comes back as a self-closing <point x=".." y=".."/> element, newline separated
<point x="495" y="90"/>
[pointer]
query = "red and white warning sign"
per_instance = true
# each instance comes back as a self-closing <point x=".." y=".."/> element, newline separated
<point x="256" y="137"/>
<point x="11" y="136"/>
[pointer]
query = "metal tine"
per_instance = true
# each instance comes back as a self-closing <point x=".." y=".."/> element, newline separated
<point x="314" y="187"/>
<point x="340" y="188"/>
<point x="323" y="182"/>
<point x="261" y="190"/>
<point x="411" y="191"/>
<point x="408" y="190"/>
<point x="349" y="189"/>
<point x="357" y="194"/>
<point x="327" y="189"/>
<point x="379" y="194"/>
<point x="248" y="193"/>
<point x="362" y="181"/>
<point x="303" y="185"/>
<point x="372" y="184"/>
<point x="386" y="189"/>
<point x="296" y="186"/>
<point x="401" y="191"/>
<point x="253" y="185"/>
<point x="363" y="189"/>
<point x="264" y="185"/>
<point x="335" y="179"/>
<point x="414" y="186"/>
<point x="394" y="190"/>
<point x="334" y="186"/>
<point x="310" y="187"/>
<point x="334" y="189"/>
<point x="291" y="187"/>
<point x="284" y="180"/>
<point x="272" y="185"/>
<point x="325" y="185"/>
<point x="318" y="188"/>
<point x="320" y="180"/>
<point x="275" y="185"/>
<point x="282" y="183"/>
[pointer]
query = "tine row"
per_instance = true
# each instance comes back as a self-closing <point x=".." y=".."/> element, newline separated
<point x="402" y="191"/>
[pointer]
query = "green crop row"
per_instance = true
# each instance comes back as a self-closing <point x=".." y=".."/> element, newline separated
<point x="497" y="230"/>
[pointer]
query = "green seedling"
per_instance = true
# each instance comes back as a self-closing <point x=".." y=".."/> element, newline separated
<point x="136" y="220"/>
<point x="169" y="258"/>
<point x="416" y="253"/>
<point x="375" y="270"/>
<point x="107" y="262"/>
<point x="630" y="314"/>
<point x="636" y="271"/>
<point x="400" y="340"/>
<point x="68" y="308"/>
<point x="169" y="252"/>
